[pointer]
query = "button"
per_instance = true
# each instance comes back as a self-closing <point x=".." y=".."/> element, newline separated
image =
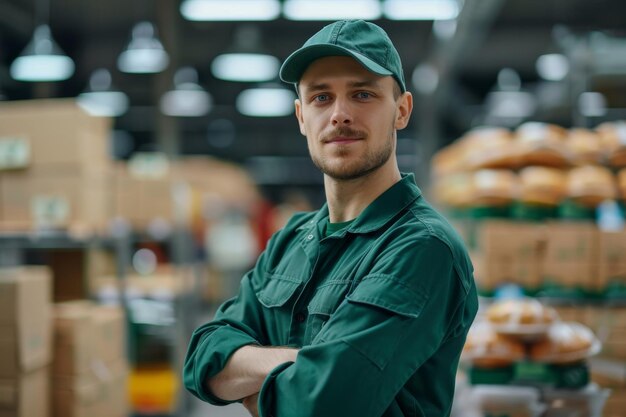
<point x="310" y="237"/>
<point x="300" y="317"/>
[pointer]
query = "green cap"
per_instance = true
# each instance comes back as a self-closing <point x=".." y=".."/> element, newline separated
<point x="363" y="41"/>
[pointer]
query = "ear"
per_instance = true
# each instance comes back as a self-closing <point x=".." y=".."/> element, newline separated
<point x="403" y="111"/>
<point x="298" y="104"/>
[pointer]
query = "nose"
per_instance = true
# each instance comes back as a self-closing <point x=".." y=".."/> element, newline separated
<point x="341" y="113"/>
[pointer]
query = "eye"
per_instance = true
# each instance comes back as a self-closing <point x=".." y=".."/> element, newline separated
<point x="363" y="95"/>
<point x="320" y="98"/>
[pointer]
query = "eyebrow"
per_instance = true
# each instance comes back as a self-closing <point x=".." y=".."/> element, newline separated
<point x="353" y="84"/>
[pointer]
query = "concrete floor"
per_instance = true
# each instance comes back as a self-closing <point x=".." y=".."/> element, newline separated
<point x="202" y="409"/>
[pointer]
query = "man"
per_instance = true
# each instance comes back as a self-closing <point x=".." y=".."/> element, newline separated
<point x="361" y="308"/>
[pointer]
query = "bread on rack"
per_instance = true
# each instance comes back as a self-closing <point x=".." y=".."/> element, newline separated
<point x="494" y="187"/>
<point x="542" y="144"/>
<point x="585" y="147"/>
<point x="490" y="148"/>
<point x="542" y="185"/>
<point x="454" y="190"/>
<point x="448" y="160"/>
<point x="613" y="140"/>
<point x="590" y="185"/>
<point x="521" y="311"/>
<point x="487" y="349"/>
<point x="565" y="343"/>
<point x="621" y="183"/>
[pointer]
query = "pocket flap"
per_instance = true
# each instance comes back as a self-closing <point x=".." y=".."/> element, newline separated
<point x="277" y="290"/>
<point x="390" y="294"/>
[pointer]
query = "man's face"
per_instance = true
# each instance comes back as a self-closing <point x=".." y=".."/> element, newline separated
<point x="349" y="117"/>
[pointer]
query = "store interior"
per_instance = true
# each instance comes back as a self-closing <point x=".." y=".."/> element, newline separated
<point x="148" y="151"/>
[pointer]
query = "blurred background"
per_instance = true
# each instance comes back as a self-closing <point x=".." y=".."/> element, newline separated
<point x="148" y="150"/>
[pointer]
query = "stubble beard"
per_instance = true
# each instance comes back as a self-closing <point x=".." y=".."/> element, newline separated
<point x="368" y="163"/>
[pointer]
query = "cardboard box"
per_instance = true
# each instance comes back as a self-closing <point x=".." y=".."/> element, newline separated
<point x="25" y="395"/>
<point x="61" y="137"/>
<point x="74" y="338"/>
<point x="605" y="320"/>
<point x="56" y="200"/>
<point x="109" y="323"/>
<point x="76" y="396"/>
<point x="608" y="373"/>
<point x="87" y="336"/>
<point x="571" y="255"/>
<point x="211" y="176"/>
<point x="102" y="392"/>
<point x="612" y="259"/>
<point x="508" y="252"/>
<point x="25" y="320"/>
<point x="114" y="397"/>
<point x="615" y="405"/>
<point x="142" y="200"/>
<point x="571" y="313"/>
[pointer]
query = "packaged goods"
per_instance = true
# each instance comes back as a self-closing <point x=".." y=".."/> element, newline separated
<point x="565" y="343"/>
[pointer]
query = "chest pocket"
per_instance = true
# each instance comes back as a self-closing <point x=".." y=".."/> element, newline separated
<point x="376" y="300"/>
<point x="323" y="304"/>
<point x="278" y="289"/>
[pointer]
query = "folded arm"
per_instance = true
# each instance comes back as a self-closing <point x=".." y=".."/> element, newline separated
<point x="246" y="370"/>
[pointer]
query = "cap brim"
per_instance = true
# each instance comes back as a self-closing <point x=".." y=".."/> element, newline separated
<point x="294" y="66"/>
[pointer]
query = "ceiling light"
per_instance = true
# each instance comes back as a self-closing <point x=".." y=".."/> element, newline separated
<point x="421" y="9"/>
<point x="592" y="104"/>
<point x="331" y="9"/>
<point x="245" y="67"/>
<point x="228" y="10"/>
<point x="508" y="80"/>
<point x="552" y="67"/>
<point x="101" y="99"/>
<point x="444" y="29"/>
<point x="42" y="59"/>
<point x="188" y="98"/>
<point x="510" y="104"/>
<point x="145" y="53"/>
<point x="425" y="78"/>
<point x="245" y="60"/>
<point x="266" y="101"/>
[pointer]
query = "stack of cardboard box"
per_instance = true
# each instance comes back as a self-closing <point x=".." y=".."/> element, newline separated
<point x="508" y="252"/>
<point x="89" y="369"/>
<point x="568" y="258"/>
<point x="25" y="341"/>
<point x="58" y="172"/>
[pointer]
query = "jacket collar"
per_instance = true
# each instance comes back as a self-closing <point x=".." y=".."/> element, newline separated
<point x="380" y="211"/>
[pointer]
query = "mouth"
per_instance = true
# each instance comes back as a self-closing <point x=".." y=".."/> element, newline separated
<point x="342" y="140"/>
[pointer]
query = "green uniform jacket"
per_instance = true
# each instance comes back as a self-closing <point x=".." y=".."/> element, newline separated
<point x="379" y="309"/>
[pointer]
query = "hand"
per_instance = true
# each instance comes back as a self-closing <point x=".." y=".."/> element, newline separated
<point x="251" y="404"/>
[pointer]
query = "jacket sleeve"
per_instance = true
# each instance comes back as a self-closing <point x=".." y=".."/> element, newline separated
<point x="396" y="318"/>
<point x="238" y="322"/>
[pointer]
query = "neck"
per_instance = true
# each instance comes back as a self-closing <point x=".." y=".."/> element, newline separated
<point x="348" y="198"/>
